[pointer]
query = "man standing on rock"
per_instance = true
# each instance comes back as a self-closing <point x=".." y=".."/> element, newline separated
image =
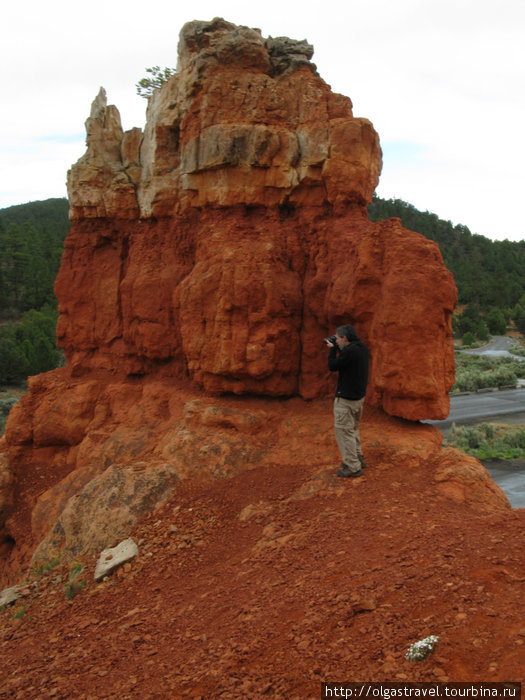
<point x="352" y="364"/>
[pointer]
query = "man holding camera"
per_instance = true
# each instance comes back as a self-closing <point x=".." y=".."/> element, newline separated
<point x="348" y="356"/>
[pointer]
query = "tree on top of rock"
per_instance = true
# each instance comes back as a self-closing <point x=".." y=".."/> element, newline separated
<point x="158" y="77"/>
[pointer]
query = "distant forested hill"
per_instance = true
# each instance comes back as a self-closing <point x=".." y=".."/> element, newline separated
<point x="488" y="274"/>
<point x="31" y="244"/>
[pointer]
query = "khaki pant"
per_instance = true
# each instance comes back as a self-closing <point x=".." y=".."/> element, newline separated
<point x="347" y="415"/>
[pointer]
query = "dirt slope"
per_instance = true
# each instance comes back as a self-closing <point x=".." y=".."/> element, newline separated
<point x="267" y="584"/>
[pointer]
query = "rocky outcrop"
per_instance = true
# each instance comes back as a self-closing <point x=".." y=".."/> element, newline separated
<point x="226" y="240"/>
<point x="243" y="121"/>
<point x="208" y="256"/>
<point x="240" y="302"/>
<point x="82" y="525"/>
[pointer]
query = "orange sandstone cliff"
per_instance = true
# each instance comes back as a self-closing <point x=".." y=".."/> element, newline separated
<point x="208" y="256"/>
<point x="223" y="242"/>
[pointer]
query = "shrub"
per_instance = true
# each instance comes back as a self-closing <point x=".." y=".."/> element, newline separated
<point x="489" y="441"/>
<point x="73" y="585"/>
<point x="6" y="405"/>
<point x="496" y="322"/>
<point x="477" y="372"/>
<point x="468" y="339"/>
<point x="517" y="349"/>
<point x="28" y="347"/>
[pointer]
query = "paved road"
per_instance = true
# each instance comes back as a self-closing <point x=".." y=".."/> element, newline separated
<point x="500" y="406"/>
<point x="498" y="347"/>
<point x="509" y="476"/>
<point x="474" y="408"/>
<point x="506" y="406"/>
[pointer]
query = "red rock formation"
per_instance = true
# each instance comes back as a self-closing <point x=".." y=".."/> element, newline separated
<point x="233" y="235"/>
<point x="213" y="252"/>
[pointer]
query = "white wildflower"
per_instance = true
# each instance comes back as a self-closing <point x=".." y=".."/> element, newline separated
<point x="420" y="650"/>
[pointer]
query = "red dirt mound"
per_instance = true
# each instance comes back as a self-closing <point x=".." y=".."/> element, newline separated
<point x="268" y="583"/>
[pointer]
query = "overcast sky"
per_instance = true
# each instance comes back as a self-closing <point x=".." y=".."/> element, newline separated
<point x="443" y="82"/>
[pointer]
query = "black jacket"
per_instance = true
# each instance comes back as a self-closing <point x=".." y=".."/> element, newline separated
<point x="352" y="365"/>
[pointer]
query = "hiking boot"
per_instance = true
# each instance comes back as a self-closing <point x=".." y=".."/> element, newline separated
<point x="362" y="460"/>
<point x="345" y="471"/>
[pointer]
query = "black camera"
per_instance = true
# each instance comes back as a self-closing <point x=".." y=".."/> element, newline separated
<point x="331" y="339"/>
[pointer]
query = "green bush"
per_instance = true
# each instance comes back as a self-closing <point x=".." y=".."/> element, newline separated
<point x="29" y="347"/>
<point x="496" y="322"/>
<point x="6" y="405"/>
<point x="488" y="441"/>
<point x="517" y="349"/>
<point x="468" y="339"/>
<point x="482" y="332"/>
<point x="475" y="372"/>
